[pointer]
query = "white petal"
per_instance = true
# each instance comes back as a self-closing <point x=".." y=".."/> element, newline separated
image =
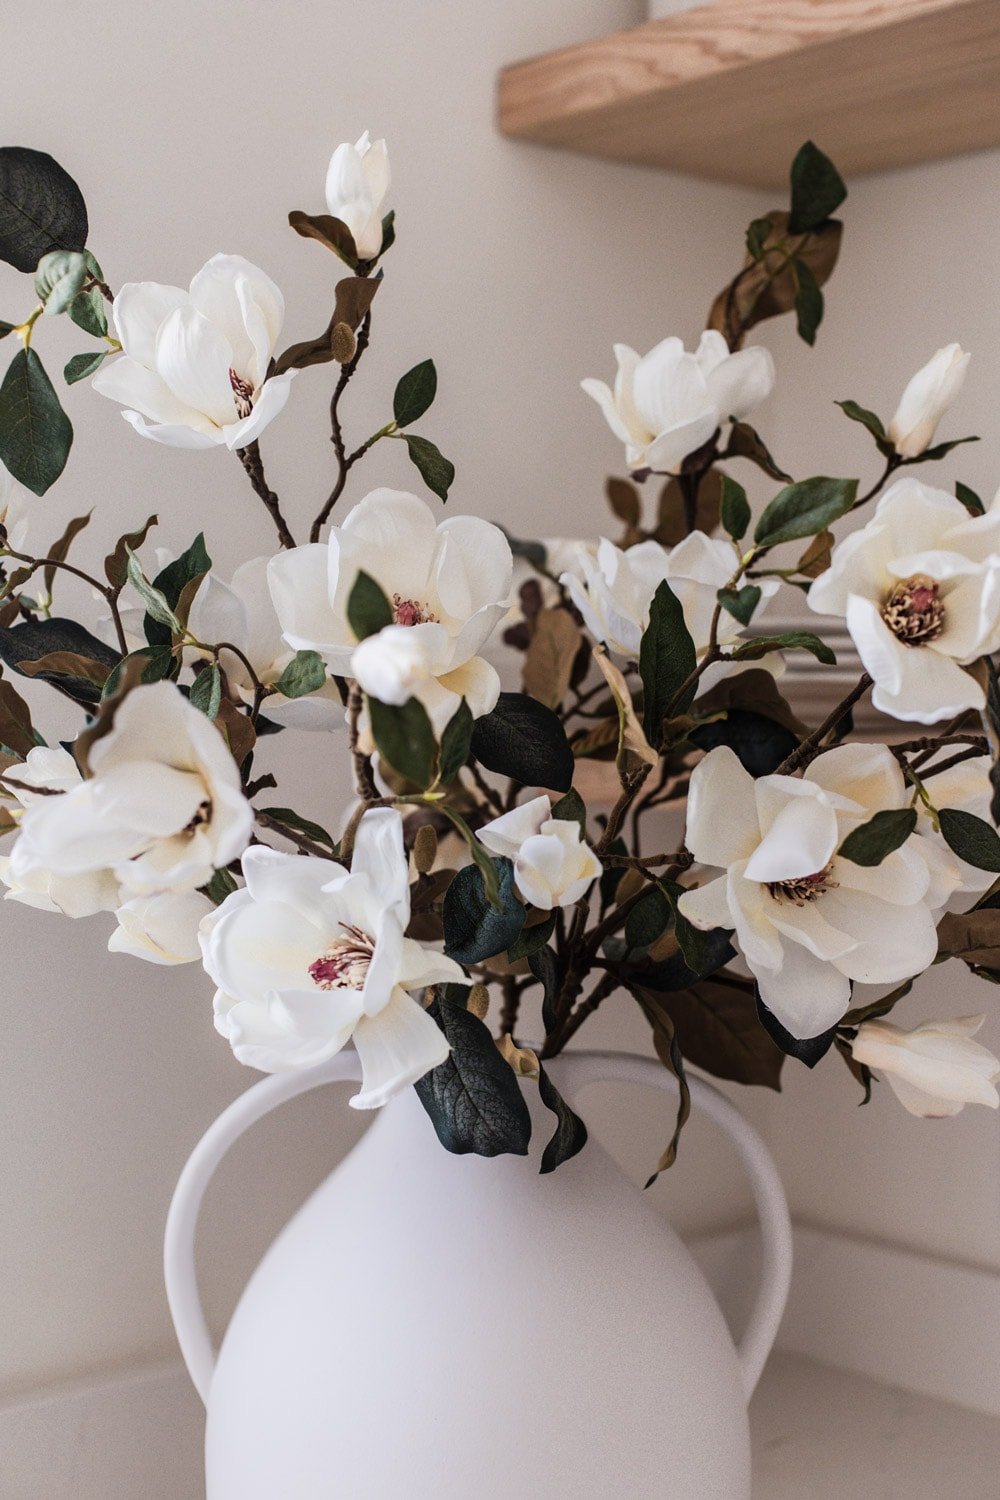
<point x="139" y="309"/>
<point x="299" y="583"/>
<point x="800" y="842"/>
<point x="722" y="822"/>
<point x="125" y="380"/>
<point x="194" y="358"/>
<point x="707" y="906"/>
<point x="739" y="384"/>
<point x="379" y="854"/>
<point x="274" y="394"/>
<point x="506" y="834"/>
<point x="806" y="994"/>
<point x="396" y="1047"/>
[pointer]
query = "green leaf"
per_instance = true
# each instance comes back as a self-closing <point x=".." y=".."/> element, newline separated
<point x="221" y="885"/>
<point x="368" y="609"/>
<point x="803" y="509"/>
<point x="305" y="673"/>
<point x="940" y="450"/>
<point x="667" y="656"/>
<point x="41" y="208"/>
<point x="809" y="1050"/>
<point x="6" y="328"/>
<point x="475" y="929"/>
<point x="868" y="419"/>
<point x="82" y="365"/>
<point x="789" y="640"/>
<point x="735" y="508"/>
<point x="703" y="952"/>
<point x="740" y="603"/>
<point x="761" y="743"/>
<point x="34" y="640"/>
<point x="648" y="920"/>
<point x="206" y="690"/>
<point x="388" y="232"/>
<point x="87" y="312"/>
<point x="437" y="472"/>
<point x="473" y="1098"/>
<point x="288" y="818"/>
<point x="414" y="393"/>
<point x="817" y="189"/>
<point x="173" y="582"/>
<point x="532" y="940"/>
<point x="969" y="499"/>
<point x="746" y="442"/>
<point x="571" y="1133"/>
<point x="526" y="741"/>
<point x="544" y="965"/>
<point x="477" y="852"/>
<point x="456" y="742"/>
<point x="60" y="275"/>
<point x="405" y="737"/>
<point x="159" y="665"/>
<point x="872" y="841"/>
<point x="532" y="552"/>
<point x="157" y="608"/>
<point x="757" y="235"/>
<point x="971" y="838"/>
<point x="808" y="302"/>
<point x="35" y="432"/>
<point x="572" y="809"/>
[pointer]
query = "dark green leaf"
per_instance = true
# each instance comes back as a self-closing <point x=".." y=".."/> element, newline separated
<point x="35" y="432"/>
<point x="158" y="611"/>
<point x="817" y="189"/>
<point x="5" y="328"/>
<point x="82" y="365"/>
<point x="288" y="818"/>
<point x="41" y="208"/>
<point x="532" y="552"/>
<point x="437" y="472"/>
<point x="803" y="509"/>
<point x="473" y="1097"/>
<point x="669" y="1052"/>
<point x="789" y="640"/>
<point x="971" y="838"/>
<point x="34" y="639"/>
<point x="740" y="603"/>
<point x="761" y="743"/>
<point x="388" y="231"/>
<point x="406" y="738"/>
<point x="532" y="939"/>
<point x="872" y="841"/>
<point x="746" y="442"/>
<point x="572" y="809"/>
<point x="414" y="393"/>
<point x="87" y="312"/>
<point x="473" y="928"/>
<point x="717" y="1029"/>
<point x="159" y="664"/>
<point x="571" y="1133"/>
<point x="206" y="690"/>
<point x="969" y="499"/>
<point x="703" y="952"/>
<point x="868" y="419"/>
<point x="808" y="302"/>
<point x="305" y="673"/>
<point x="173" y="582"/>
<point x="545" y="966"/>
<point x="523" y="739"/>
<point x="647" y="920"/>
<point x="60" y="275"/>
<point x="221" y="885"/>
<point x="940" y="450"/>
<point x="368" y="609"/>
<point x="456" y="742"/>
<point x="757" y="235"/>
<point x="808" y="1050"/>
<point x="735" y="508"/>
<point x="667" y="657"/>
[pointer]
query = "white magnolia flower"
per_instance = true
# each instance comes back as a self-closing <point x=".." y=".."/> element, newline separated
<point x="553" y="865"/>
<point x="163" y="807"/>
<point x="78" y="895"/>
<point x="935" y="1069"/>
<point x="919" y="587"/>
<point x="310" y="956"/>
<point x="808" y="922"/>
<point x="357" y="184"/>
<point x="13" y="510"/>
<point x="965" y="787"/>
<point x="933" y="389"/>
<point x="668" y="403"/>
<point x="194" y="369"/>
<point x="614" y="591"/>
<point x="242" y="612"/>
<point x="162" y="929"/>
<point x="449" y="587"/>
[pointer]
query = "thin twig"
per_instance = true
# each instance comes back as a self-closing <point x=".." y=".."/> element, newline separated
<point x="810" y="747"/>
<point x="253" y="463"/>
<point x="345" y="461"/>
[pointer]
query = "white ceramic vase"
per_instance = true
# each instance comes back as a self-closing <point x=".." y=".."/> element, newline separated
<point x="660" y="8"/>
<point x="438" y="1326"/>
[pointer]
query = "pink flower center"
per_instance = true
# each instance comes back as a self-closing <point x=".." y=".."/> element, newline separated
<point x="345" y="963"/>
<point x="914" y="611"/>
<point x="411" y="612"/>
<point x="805" y="888"/>
<point x="242" y="394"/>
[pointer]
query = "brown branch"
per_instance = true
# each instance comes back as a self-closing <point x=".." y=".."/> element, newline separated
<point x="812" y="745"/>
<point x="251" y="460"/>
<point x="345" y="461"/>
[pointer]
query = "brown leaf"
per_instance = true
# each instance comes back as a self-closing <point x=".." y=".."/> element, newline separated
<point x="631" y="739"/>
<point x="523" y="1061"/>
<point x="767" y="288"/>
<point x="67" y="664"/>
<point x="670" y="526"/>
<point x="331" y="232"/>
<point x="816" y="558"/>
<point x="756" y="692"/>
<point x="239" y="733"/>
<point x="15" y="721"/>
<point x="973" y="936"/>
<point x="623" y="499"/>
<point x="59" y="550"/>
<point x="670" y="1054"/>
<point x="116" y="562"/>
<point x="746" y="442"/>
<point x="716" y="1028"/>
<point x="548" y="663"/>
<point x="354" y="297"/>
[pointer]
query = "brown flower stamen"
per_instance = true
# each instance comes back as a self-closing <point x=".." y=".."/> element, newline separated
<point x="411" y="612"/>
<point x="242" y="394"/>
<point x="914" y="611"/>
<point x="803" y="889"/>
<point x="344" y="965"/>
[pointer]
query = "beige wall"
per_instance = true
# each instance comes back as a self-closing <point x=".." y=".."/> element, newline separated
<point x="515" y="269"/>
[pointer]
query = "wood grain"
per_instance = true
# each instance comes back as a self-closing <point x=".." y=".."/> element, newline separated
<point x="730" y="90"/>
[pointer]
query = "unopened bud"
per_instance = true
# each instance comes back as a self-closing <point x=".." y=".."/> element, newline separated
<point x="425" y="848"/>
<point x="343" y="343"/>
<point x="522" y="1059"/>
<point x="479" y="1001"/>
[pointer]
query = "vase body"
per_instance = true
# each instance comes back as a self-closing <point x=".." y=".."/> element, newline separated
<point x="658" y="9"/>
<point x="452" y="1327"/>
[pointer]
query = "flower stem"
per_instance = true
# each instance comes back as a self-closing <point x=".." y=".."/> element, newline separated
<point x="251" y="460"/>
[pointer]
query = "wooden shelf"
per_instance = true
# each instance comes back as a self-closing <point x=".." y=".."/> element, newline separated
<point x="729" y="91"/>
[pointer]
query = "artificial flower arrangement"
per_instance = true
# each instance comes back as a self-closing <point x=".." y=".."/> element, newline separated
<point x="469" y="879"/>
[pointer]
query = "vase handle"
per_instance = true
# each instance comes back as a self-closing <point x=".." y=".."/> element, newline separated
<point x="182" y="1220"/>
<point x="581" y="1068"/>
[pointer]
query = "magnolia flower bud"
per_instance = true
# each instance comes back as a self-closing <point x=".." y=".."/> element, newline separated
<point x="935" y="1069"/>
<point x="930" y="393"/>
<point x="425" y="847"/>
<point x="343" y="343"/>
<point x="162" y="929"/>
<point x="553" y="866"/>
<point x="357" y="182"/>
<point x="479" y="1001"/>
<point x="521" y="1059"/>
<point x="396" y="662"/>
